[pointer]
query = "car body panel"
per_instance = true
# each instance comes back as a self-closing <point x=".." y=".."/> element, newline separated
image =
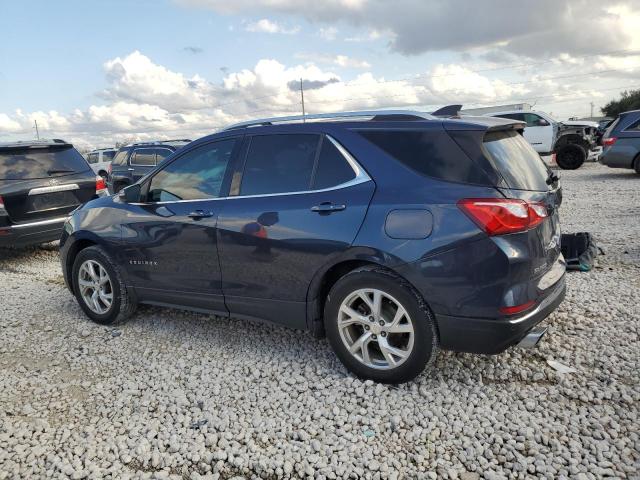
<point x="626" y="149"/>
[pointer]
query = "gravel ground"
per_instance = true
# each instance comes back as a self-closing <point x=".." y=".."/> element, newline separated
<point x="181" y="395"/>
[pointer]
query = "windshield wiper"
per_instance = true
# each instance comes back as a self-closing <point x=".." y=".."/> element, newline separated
<point x="60" y="170"/>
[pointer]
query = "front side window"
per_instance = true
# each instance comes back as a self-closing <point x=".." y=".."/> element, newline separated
<point x="512" y="116"/>
<point x="279" y="164"/>
<point x="145" y="157"/>
<point x="93" y="158"/>
<point x="198" y="174"/>
<point x="534" y="120"/>
<point x="106" y="156"/>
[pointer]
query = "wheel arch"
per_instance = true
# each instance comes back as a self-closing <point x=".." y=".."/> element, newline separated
<point x="74" y="249"/>
<point x="326" y="277"/>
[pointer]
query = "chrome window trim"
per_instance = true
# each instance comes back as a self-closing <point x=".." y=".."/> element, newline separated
<point x="361" y="177"/>
<point x="54" y="188"/>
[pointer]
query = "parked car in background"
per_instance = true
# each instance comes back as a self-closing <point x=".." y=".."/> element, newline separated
<point x="134" y="161"/>
<point x="572" y="144"/>
<point x="40" y="183"/>
<point x="621" y="142"/>
<point x="393" y="233"/>
<point x="100" y="159"/>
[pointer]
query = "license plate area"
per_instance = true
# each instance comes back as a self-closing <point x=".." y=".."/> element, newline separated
<point x="50" y="201"/>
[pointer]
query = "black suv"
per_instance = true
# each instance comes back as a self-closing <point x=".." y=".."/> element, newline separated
<point x="40" y="183"/>
<point x="395" y="234"/>
<point x="132" y="162"/>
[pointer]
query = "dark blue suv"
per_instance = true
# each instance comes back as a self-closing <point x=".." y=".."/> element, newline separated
<point x="392" y="233"/>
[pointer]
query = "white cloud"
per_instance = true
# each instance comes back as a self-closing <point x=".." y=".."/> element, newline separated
<point x="265" y="25"/>
<point x="328" y="33"/>
<point x="343" y="61"/>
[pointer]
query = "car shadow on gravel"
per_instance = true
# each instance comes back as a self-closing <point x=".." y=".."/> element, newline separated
<point x="18" y="253"/>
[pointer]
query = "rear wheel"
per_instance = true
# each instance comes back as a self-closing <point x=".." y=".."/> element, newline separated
<point x="99" y="288"/>
<point x="636" y="164"/>
<point x="570" y="157"/>
<point x="379" y="326"/>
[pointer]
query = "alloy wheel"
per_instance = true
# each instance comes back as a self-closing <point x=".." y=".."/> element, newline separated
<point x="376" y="329"/>
<point x="95" y="287"/>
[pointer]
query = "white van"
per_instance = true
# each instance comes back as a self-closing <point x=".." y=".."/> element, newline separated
<point x="100" y="159"/>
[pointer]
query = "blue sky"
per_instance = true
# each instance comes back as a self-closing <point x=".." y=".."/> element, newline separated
<point x="97" y="72"/>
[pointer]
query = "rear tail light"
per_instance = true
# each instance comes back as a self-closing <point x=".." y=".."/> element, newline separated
<point x="499" y="216"/>
<point x="101" y="186"/>
<point x="1" y="205"/>
<point x="608" y="142"/>
<point x="109" y="168"/>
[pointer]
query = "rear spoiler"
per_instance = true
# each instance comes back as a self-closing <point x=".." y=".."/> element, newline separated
<point x="467" y="122"/>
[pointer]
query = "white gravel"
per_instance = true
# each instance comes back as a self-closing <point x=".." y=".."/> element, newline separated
<point x="181" y="395"/>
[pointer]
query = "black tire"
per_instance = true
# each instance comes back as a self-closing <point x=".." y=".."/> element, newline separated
<point x="425" y="342"/>
<point x="570" y="157"/>
<point x="123" y="304"/>
<point x="636" y="165"/>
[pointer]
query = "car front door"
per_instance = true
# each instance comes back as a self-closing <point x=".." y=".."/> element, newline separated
<point x="296" y="201"/>
<point x="169" y="238"/>
<point x="142" y="161"/>
<point x="539" y="132"/>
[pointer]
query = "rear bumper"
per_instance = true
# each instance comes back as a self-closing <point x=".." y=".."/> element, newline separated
<point x="20" y="235"/>
<point x="464" y="334"/>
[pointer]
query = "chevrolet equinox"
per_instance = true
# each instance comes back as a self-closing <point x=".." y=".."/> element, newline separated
<point x="392" y="233"/>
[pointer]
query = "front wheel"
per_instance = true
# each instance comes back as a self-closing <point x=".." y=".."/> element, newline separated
<point x="99" y="288"/>
<point x="379" y="326"/>
<point x="571" y="156"/>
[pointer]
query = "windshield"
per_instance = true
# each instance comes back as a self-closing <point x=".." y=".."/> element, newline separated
<point x="520" y="165"/>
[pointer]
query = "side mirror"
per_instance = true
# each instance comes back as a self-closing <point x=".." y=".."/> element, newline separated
<point x="542" y="123"/>
<point x="131" y="194"/>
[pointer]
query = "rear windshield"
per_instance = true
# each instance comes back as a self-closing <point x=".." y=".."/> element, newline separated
<point x="518" y="163"/>
<point x="120" y="158"/>
<point x="27" y="163"/>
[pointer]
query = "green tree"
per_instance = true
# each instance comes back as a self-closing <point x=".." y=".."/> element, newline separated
<point x="630" y="101"/>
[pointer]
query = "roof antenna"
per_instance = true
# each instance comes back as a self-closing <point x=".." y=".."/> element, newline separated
<point x="37" y="132"/>
<point x="304" y="120"/>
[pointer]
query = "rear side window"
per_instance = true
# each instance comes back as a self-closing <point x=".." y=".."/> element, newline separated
<point x="145" y="157"/>
<point x="333" y="169"/>
<point x="518" y="163"/>
<point x="162" y="153"/>
<point x="106" y="156"/>
<point x="26" y="163"/>
<point x="92" y="158"/>
<point x="634" y="127"/>
<point x="279" y="164"/>
<point x="433" y="154"/>
<point x="198" y="174"/>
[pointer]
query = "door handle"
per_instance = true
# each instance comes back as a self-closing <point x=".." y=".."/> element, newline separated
<point x="327" y="207"/>
<point x="198" y="214"/>
<point x="131" y="169"/>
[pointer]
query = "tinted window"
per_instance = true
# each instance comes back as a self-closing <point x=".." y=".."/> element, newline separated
<point x="195" y="175"/>
<point x="16" y="164"/>
<point x="611" y="127"/>
<point x="120" y="158"/>
<point x="532" y="119"/>
<point x="144" y="156"/>
<point x="430" y="153"/>
<point x="520" y="165"/>
<point x="333" y="169"/>
<point x="93" y="158"/>
<point x="279" y="163"/>
<point x="106" y="156"/>
<point x="634" y="127"/>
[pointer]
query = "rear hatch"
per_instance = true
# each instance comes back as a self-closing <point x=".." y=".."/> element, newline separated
<point x="39" y="182"/>
<point x="525" y="176"/>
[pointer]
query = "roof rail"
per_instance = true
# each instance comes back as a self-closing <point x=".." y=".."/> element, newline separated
<point x="378" y="115"/>
<point x="158" y="142"/>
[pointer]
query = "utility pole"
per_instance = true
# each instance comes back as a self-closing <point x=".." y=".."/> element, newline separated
<point x="591" y="109"/>
<point x="37" y="132"/>
<point x="302" y="96"/>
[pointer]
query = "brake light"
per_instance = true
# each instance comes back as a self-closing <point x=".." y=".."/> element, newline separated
<point x="109" y="169"/>
<point x="499" y="216"/>
<point x="1" y="204"/>
<point x="517" y="308"/>
<point x="101" y="186"/>
<point x="608" y="142"/>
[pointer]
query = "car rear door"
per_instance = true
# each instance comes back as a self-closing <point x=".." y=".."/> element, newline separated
<point x="44" y="182"/>
<point x="169" y="238"/>
<point x="297" y="201"/>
